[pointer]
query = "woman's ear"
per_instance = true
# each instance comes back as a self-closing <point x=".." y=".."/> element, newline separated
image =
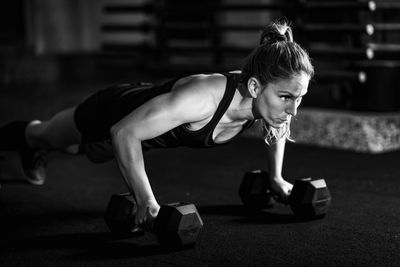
<point x="254" y="87"/>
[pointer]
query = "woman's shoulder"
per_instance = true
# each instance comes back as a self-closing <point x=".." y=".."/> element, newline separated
<point x="202" y="88"/>
<point x="206" y="83"/>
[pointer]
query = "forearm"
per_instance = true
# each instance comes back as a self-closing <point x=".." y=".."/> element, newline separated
<point x="129" y="156"/>
<point x="276" y="155"/>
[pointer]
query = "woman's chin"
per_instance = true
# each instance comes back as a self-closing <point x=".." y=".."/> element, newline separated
<point x="277" y="124"/>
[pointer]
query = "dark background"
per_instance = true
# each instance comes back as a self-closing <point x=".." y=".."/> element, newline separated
<point x="55" y="53"/>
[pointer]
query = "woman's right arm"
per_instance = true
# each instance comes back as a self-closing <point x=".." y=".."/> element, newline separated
<point x="129" y="156"/>
<point x="150" y="120"/>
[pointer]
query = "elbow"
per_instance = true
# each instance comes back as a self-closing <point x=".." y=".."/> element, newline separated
<point x="115" y="131"/>
<point x="118" y="133"/>
<point x="122" y="134"/>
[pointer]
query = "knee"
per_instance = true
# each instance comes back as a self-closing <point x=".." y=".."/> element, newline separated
<point x="37" y="135"/>
<point x="73" y="149"/>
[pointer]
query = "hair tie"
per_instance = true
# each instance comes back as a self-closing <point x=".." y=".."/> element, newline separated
<point x="273" y="37"/>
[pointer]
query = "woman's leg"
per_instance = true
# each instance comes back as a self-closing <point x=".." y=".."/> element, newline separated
<point x="58" y="133"/>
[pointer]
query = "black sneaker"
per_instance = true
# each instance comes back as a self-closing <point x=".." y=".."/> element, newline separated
<point x="34" y="165"/>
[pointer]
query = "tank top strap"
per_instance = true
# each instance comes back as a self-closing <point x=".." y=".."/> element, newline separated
<point x="231" y="85"/>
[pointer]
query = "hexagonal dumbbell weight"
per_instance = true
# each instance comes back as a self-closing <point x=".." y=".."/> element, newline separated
<point x="176" y="225"/>
<point x="309" y="198"/>
<point x="254" y="192"/>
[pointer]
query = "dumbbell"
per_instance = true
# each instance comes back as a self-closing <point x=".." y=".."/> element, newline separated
<point x="176" y="225"/>
<point x="254" y="191"/>
<point x="309" y="198"/>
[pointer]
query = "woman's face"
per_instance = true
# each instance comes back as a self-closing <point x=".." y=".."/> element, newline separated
<point x="278" y="101"/>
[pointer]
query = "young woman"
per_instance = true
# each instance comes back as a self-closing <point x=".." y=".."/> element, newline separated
<point x="201" y="110"/>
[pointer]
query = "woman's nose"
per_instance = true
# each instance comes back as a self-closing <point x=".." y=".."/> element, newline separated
<point x="292" y="110"/>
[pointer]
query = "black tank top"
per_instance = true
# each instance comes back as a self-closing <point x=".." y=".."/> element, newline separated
<point x="182" y="136"/>
<point x="123" y="99"/>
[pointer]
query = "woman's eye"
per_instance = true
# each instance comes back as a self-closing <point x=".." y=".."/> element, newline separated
<point x="285" y="97"/>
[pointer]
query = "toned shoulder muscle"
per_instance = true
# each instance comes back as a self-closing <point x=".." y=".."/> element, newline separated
<point x="192" y="99"/>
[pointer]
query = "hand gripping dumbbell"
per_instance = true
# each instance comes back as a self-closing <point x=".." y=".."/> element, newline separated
<point x="176" y="225"/>
<point x="308" y="199"/>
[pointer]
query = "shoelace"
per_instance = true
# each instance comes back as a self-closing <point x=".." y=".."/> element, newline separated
<point x="38" y="159"/>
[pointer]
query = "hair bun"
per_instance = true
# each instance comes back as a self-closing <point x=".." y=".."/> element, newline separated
<point x="276" y="32"/>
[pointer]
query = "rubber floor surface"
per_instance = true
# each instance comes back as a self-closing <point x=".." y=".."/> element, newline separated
<point x="61" y="223"/>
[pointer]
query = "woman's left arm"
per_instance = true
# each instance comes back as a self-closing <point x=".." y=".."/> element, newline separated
<point x="278" y="185"/>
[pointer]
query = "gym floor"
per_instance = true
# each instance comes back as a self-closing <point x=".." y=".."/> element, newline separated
<point x="61" y="223"/>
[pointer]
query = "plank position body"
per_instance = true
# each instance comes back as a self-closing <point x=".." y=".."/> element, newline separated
<point x="202" y="110"/>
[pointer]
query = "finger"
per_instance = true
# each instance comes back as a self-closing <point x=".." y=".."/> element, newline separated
<point x="280" y="198"/>
<point x="144" y="226"/>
